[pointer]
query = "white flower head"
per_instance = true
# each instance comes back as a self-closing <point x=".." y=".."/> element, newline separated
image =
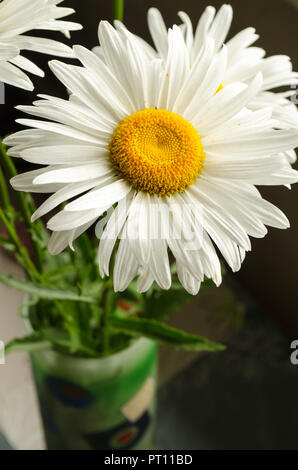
<point x="20" y="16"/>
<point x="159" y="154"/>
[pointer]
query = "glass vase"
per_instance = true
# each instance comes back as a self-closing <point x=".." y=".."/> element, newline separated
<point x="98" y="404"/>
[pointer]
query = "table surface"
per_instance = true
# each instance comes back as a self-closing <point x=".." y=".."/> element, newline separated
<point x="242" y="399"/>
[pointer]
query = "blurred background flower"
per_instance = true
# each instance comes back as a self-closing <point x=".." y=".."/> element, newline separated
<point x="20" y="16"/>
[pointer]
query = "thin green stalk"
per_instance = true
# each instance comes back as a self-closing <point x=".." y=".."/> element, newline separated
<point x="22" y="203"/>
<point x="108" y="298"/>
<point x="28" y="264"/>
<point x="4" y="196"/>
<point x="11" y="172"/>
<point x="103" y="327"/>
<point x="118" y="9"/>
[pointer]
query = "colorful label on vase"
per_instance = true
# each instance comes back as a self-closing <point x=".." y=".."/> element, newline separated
<point x="69" y="393"/>
<point x="108" y="409"/>
<point x="122" y="437"/>
<point x="137" y="406"/>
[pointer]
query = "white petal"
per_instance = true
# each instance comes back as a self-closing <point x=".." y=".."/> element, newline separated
<point x="72" y="174"/>
<point x="261" y="144"/>
<point x="205" y="92"/>
<point x="145" y="280"/>
<point x="27" y="65"/>
<point x="102" y="72"/>
<point x="158" y="31"/>
<point x="159" y="264"/>
<point x="196" y="75"/>
<point x="189" y="283"/>
<point x="105" y="196"/>
<point x="203" y="29"/>
<point x="13" y="76"/>
<point x="44" y="46"/>
<point x="138" y="226"/>
<point x="59" y="129"/>
<point x="225" y="106"/>
<point x="24" y="182"/>
<point x="126" y="267"/>
<point x="111" y="233"/>
<point x="65" y="193"/>
<point x="64" y="154"/>
<point x="71" y="220"/>
<point x="82" y="84"/>
<point x="60" y="240"/>
<point x="8" y="52"/>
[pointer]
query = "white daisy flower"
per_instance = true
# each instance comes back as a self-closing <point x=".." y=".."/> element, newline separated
<point x="20" y="16"/>
<point x="140" y="139"/>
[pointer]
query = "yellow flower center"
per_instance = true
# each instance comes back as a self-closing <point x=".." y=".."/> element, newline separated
<point x="157" y="151"/>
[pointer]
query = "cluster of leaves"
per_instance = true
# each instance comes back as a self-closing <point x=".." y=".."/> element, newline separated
<point x="69" y="307"/>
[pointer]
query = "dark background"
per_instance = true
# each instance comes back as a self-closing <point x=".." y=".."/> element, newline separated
<point x="270" y="271"/>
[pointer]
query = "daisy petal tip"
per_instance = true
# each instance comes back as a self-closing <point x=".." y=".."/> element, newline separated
<point x="28" y="86"/>
<point x="34" y="217"/>
<point x="116" y="287"/>
<point x="210" y="9"/>
<point x="78" y="49"/>
<point x="192" y="292"/>
<point x="166" y="285"/>
<point x="10" y="152"/>
<point x="12" y="182"/>
<point x="258" y="80"/>
<point x="101" y="273"/>
<point x="117" y="24"/>
<point x="53" y="64"/>
<point x="153" y="11"/>
<point x="53" y="249"/>
<point x="105" y="26"/>
<point x="71" y="246"/>
<point x="285" y="224"/>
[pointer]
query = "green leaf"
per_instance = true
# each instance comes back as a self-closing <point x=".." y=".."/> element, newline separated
<point x="57" y="274"/>
<point x="34" y="342"/>
<point x="163" y="303"/>
<point x="60" y="338"/>
<point x="6" y="244"/>
<point x="94" y="288"/>
<point x="43" y="292"/>
<point x="163" y="333"/>
<point x="47" y="339"/>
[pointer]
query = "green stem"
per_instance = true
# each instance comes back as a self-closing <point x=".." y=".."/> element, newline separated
<point x="22" y="203"/>
<point x="103" y="327"/>
<point x="4" y="196"/>
<point x="118" y="9"/>
<point x="11" y="172"/>
<point x="105" y="330"/>
<point x="28" y="264"/>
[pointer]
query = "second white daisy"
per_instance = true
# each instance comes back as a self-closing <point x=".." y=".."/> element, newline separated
<point x="20" y="16"/>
